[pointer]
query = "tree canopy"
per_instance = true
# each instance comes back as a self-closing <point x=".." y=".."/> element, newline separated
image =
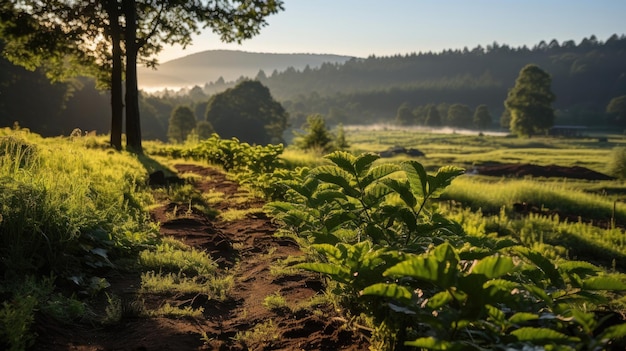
<point x="248" y="112"/>
<point x="530" y="102"/>
<point x="181" y="123"/>
<point x="617" y="107"/>
<point x="51" y="33"/>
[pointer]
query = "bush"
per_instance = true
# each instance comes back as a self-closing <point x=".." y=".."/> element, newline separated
<point x="617" y="164"/>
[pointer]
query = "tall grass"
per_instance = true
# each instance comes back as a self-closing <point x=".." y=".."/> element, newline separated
<point x="550" y="196"/>
<point x="54" y="193"/>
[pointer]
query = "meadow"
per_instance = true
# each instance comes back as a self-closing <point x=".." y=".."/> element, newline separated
<point x="410" y="247"/>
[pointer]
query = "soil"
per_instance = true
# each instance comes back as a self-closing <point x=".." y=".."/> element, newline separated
<point x="246" y="246"/>
<point x="522" y="170"/>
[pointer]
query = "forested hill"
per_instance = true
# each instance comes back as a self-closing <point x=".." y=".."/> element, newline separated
<point x="586" y="75"/>
<point x="211" y="65"/>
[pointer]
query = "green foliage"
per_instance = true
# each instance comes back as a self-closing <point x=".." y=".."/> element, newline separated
<point x="316" y="135"/>
<point x="530" y="102"/>
<point x="617" y="107"/>
<point x="617" y="163"/>
<point x="248" y="104"/>
<point x="181" y="123"/>
<point x="482" y="118"/>
<point x="373" y="231"/>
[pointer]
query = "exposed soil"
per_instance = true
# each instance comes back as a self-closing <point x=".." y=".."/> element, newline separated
<point x="521" y="170"/>
<point x="246" y="247"/>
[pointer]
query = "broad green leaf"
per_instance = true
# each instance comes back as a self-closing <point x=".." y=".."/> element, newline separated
<point x="494" y="266"/>
<point x="336" y="272"/>
<point x="375" y="193"/>
<point x="403" y="190"/>
<point x="580" y="268"/>
<point x="544" y="264"/>
<point x="327" y="196"/>
<point x="416" y="174"/>
<point x="439" y="299"/>
<point x="444" y="177"/>
<point x="495" y="313"/>
<point x="604" y="283"/>
<point x="328" y="250"/>
<point x="343" y="160"/>
<point x="364" y="162"/>
<point x="523" y="317"/>
<point x="540" y="293"/>
<point x="540" y="335"/>
<point x="337" y="176"/>
<point x="393" y="291"/>
<point x="379" y="172"/>
<point x="438" y="267"/>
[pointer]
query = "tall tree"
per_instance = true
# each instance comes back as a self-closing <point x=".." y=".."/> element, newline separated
<point x="433" y="119"/>
<point x="482" y="118"/>
<point x="81" y="28"/>
<point x="249" y="112"/>
<point x="617" y="107"/>
<point x="530" y="102"/>
<point x="460" y="116"/>
<point x="316" y="135"/>
<point x="181" y="123"/>
<point x="404" y="115"/>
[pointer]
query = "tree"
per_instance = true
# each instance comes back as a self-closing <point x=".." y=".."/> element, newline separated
<point x="181" y="123"/>
<point x="340" y="140"/>
<point x="459" y="115"/>
<point x="482" y="118"/>
<point x="316" y="136"/>
<point x="530" y="102"/>
<point x="404" y="115"/>
<point x="84" y="29"/>
<point x="433" y="119"/>
<point x="249" y="112"/>
<point x="204" y="130"/>
<point x="617" y="107"/>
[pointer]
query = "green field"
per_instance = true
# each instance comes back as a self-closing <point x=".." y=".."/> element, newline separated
<point x="413" y="233"/>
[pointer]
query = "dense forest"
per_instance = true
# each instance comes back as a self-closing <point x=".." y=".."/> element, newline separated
<point x="585" y="77"/>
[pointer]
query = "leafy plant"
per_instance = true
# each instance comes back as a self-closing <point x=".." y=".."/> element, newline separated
<point x="374" y="232"/>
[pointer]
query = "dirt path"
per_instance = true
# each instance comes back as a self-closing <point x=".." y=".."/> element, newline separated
<point x="246" y="247"/>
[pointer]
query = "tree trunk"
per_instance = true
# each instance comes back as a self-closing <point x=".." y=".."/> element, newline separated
<point x="117" y="104"/>
<point x="133" y="125"/>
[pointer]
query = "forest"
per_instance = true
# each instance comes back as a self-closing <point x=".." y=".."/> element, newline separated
<point x="586" y="76"/>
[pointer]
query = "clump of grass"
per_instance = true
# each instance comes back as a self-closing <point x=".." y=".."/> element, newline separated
<point x="617" y="162"/>
<point x="174" y="257"/>
<point x="168" y="310"/>
<point x="212" y="286"/>
<point x="234" y="214"/>
<point x="262" y="334"/>
<point x="275" y="302"/>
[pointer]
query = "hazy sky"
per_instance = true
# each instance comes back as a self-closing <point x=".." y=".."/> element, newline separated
<point x="365" y="27"/>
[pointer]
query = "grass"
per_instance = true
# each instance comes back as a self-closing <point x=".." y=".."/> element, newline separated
<point x="171" y="256"/>
<point x="170" y="283"/>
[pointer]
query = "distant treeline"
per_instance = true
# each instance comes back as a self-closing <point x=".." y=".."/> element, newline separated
<point x="585" y="77"/>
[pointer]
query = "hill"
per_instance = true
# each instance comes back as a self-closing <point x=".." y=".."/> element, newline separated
<point x="208" y="66"/>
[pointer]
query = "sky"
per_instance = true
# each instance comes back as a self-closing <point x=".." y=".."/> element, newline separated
<point x="383" y="28"/>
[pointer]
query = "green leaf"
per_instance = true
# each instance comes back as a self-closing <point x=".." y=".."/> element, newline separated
<point x="393" y="291"/>
<point x="438" y="267"/>
<point x="336" y="272"/>
<point x="494" y="266"/>
<point x="540" y="335"/>
<point x="614" y="332"/>
<point x="328" y="250"/>
<point x="378" y="173"/>
<point x="444" y="177"/>
<point x="364" y="162"/>
<point x="604" y="283"/>
<point x="523" y="317"/>
<point x="343" y="160"/>
<point x="439" y="299"/>
<point x="403" y="190"/>
<point x="548" y="268"/>
<point x="337" y="176"/>
<point x="416" y="174"/>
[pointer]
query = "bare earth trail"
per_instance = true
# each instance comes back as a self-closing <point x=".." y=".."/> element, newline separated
<point x="246" y="247"/>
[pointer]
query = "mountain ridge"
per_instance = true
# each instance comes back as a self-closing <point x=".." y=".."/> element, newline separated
<point x="208" y="66"/>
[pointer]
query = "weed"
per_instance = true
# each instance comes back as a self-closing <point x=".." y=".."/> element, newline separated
<point x="168" y="310"/>
<point x="262" y="334"/>
<point x="275" y="302"/>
